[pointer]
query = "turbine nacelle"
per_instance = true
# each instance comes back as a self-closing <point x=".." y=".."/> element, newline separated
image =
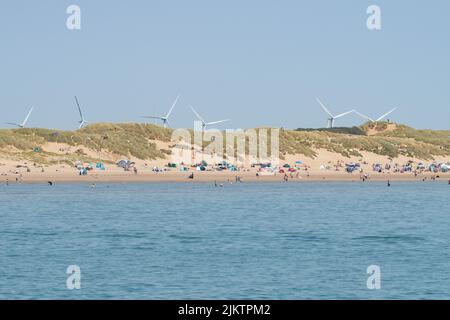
<point x="82" y="121"/>
<point x="332" y="118"/>
<point x="204" y="123"/>
<point x="165" y="119"/>
<point x="23" y="124"/>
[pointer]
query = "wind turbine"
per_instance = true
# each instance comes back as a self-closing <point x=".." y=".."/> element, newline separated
<point x="165" y="119"/>
<point x="204" y="123"/>
<point x="22" y="125"/>
<point x="377" y="120"/>
<point x="82" y="121"/>
<point x="330" y="122"/>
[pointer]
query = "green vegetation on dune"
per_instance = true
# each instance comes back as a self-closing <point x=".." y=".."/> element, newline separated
<point x="133" y="140"/>
<point x="137" y="141"/>
<point x="385" y="139"/>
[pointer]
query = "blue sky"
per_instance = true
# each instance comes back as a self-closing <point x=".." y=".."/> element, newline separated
<point x="257" y="62"/>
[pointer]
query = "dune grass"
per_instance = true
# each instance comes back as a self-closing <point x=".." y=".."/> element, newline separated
<point x="137" y="141"/>
<point x="134" y="140"/>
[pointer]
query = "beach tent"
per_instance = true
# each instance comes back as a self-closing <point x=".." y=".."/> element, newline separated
<point x="286" y="165"/>
<point x="420" y="166"/>
<point x="350" y="167"/>
<point x="99" y="166"/>
<point x="298" y="162"/>
<point x="125" y="164"/>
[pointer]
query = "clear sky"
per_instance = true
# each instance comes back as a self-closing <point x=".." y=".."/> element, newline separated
<point x="257" y="62"/>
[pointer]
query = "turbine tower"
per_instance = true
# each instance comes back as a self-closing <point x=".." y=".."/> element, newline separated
<point x="330" y="120"/>
<point x="82" y="121"/>
<point x="165" y="119"/>
<point x="22" y="125"/>
<point x="376" y="120"/>
<point x="204" y="123"/>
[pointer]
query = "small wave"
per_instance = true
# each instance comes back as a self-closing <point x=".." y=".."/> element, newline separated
<point x="390" y="238"/>
<point x="308" y="237"/>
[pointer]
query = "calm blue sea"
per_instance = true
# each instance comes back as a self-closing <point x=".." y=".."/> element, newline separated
<point x="249" y="240"/>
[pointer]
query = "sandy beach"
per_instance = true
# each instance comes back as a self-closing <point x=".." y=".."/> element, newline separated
<point x="211" y="177"/>
<point x="322" y="168"/>
<point x="325" y="166"/>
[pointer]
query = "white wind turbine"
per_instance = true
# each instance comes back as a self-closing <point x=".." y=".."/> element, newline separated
<point x="204" y="123"/>
<point x="165" y="119"/>
<point x="82" y="121"/>
<point x="330" y="120"/>
<point x="22" y="125"/>
<point x="378" y="119"/>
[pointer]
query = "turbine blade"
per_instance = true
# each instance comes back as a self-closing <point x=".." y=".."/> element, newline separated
<point x="344" y="114"/>
<point x="153" y="117"/>
<point x="26" y="119"/>
<point x="79" y="108"/>
<point x="364" y="116"/>
<point x="386" y="114"/>
<point x="173" y="105"/>
<point x="216" y="122"/>
<point x="324" y="108"/>
<point x="197" y="115"/>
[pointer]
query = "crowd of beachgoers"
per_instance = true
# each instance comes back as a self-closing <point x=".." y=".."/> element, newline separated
<point x="326" y="166"/>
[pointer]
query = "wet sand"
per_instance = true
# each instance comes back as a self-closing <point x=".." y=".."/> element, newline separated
<point x="129" y="177"/>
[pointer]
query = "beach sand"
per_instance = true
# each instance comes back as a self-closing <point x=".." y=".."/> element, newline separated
<point x="65" y="173"/>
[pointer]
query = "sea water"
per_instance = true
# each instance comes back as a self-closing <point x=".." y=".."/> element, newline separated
<point x="308" y="240"/>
